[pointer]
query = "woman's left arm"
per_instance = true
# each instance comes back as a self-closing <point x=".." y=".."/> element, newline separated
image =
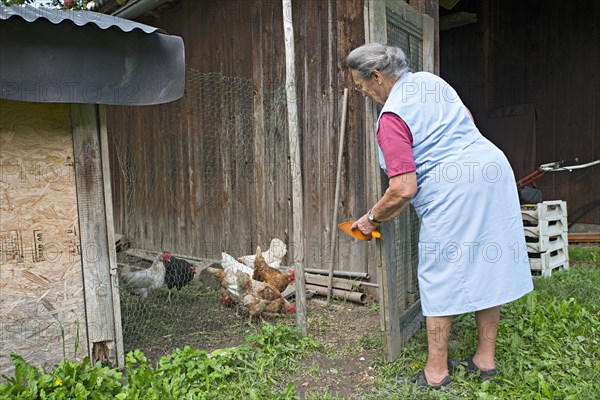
<point x="395" y="199"/>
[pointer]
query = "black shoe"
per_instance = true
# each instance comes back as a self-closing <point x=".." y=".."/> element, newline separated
<point x="469" y="365"/>
<point x="421" y="381"/>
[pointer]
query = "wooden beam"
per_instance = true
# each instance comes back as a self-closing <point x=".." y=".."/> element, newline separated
<point x="93" y="227"/>
<point x="593" y="237"/>
<point x="110" y="234"/>
<point x="428" y="44"/>
<point x="376" y="31"/>
<point x="295" y="165"/>
<point x="457" y="19"/>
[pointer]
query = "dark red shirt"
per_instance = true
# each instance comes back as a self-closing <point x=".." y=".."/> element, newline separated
<point x="395" y="140"/>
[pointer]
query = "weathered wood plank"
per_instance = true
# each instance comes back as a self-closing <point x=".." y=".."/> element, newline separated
<point x="589" y="237"/>
<point x="429" y="45"/>
<point x="376" y="31"/>
<point x="111" y="237"/>
<point x="431" y="9"/>
<point x="95" y="245"/>
<point x="259" y="132"/>
<point x="354" y="174"/>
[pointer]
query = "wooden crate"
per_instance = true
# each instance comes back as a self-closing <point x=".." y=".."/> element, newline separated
<point x="547" y="211"/>
<point x="545" y="243"/>
<point x="546" y="228"/>
<point x="545" y="220"/>
<point x="545" y="263"/>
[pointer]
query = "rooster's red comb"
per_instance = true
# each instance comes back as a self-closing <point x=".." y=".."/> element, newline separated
<point x="291" y="309"/>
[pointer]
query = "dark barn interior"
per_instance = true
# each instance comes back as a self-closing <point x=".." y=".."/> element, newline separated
<point x="530" y="73"/>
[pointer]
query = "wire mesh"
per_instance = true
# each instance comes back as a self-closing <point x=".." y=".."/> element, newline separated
<point x="203" y="154"/>
<point x="409" y="37"/>
<point x="406" y="35"/>
<point x="164" y="321"/>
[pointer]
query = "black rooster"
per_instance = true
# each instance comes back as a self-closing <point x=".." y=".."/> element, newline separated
<point x="178" y="273"/>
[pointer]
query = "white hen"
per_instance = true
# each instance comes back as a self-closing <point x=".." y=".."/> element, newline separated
<point x="143" y="282"/>
<point x="230" y="266"/>
<point x="273" y="256"/>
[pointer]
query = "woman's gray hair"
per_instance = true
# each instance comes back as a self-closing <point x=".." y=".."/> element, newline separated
<point x="369" y="57"/>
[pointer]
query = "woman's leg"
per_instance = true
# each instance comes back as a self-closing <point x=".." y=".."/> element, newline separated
<point x="487" y="327"/>
<point x="438" y="330"/>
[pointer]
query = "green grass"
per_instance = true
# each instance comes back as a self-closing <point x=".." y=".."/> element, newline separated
<point x="548" y="347"/>
<point x="585" y="256"/>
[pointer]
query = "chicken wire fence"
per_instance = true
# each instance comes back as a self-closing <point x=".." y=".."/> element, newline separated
<point x="401" y="248"/>
<point x="217" y="155"/>
<point x="218" y="151"/>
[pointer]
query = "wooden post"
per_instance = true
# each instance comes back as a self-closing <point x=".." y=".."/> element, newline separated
<point x="295" y="165"/>
<point x="376" y="31"/>
<point x="97" y="254"/>
<point x="337" y="189"/>
<point x="431" y="8"/>
<point x="396" y="325"/>
<point x="110" y="234"/>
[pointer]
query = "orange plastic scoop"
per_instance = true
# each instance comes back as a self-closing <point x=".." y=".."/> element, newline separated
<point x="356" y="233"/>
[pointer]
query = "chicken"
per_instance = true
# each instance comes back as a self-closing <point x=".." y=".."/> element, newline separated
<point x="227" y="275"/>
<point x="273" y="256"/>
<point x="230" y="263"/>
<point x="264" y="273"/>
<point x="178" y="274"/>
<point x="260" y="298"/>
<point x="143" y="282"/>
<point x="229" y="287"/>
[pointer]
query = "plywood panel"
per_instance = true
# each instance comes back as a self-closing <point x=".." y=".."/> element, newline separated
<point x="41" y="284"/>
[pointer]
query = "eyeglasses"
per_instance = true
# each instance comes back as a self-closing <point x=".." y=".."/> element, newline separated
<point x="359" y="87"/>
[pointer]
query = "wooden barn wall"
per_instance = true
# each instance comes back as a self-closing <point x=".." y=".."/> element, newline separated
<point x="209" y="173"/>
<point x="326" y="31"/>
<point x="541" y="53"/>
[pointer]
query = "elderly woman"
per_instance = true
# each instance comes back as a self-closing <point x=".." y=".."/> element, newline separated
<point x="472" y="254"/>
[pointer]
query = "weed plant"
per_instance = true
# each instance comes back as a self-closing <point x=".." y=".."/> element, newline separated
<point x="255" y="370"/>
<point x="548" y="348"/>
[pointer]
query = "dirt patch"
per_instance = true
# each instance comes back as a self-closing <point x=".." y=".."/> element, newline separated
<point x="195" y="316"/>
<point x="352" y="340"/>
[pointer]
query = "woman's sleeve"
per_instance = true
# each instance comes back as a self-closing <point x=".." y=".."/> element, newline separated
<point x="395" y="140"/>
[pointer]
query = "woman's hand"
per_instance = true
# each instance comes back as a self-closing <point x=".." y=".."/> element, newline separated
<point x="365" y="226"/>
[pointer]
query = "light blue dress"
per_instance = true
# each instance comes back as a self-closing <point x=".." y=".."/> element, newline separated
<point x="472" y="253"/>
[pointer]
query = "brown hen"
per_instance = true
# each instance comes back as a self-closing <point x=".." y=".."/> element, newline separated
<point x="272" y="276"/>
<point x="261" y="298"/>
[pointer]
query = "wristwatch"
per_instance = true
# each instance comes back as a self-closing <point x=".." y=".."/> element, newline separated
<point x="372" y="219"/>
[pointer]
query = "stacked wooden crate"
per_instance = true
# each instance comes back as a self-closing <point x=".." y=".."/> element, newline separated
<point x="546" y="236"/>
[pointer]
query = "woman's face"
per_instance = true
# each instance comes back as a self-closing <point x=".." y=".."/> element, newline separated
<point x="372" y="87"/>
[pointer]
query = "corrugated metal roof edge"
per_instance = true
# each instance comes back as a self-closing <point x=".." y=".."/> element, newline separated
<point x="79" y="18"/>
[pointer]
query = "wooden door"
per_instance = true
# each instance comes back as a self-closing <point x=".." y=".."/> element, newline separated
<point x="396" y="23"/>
